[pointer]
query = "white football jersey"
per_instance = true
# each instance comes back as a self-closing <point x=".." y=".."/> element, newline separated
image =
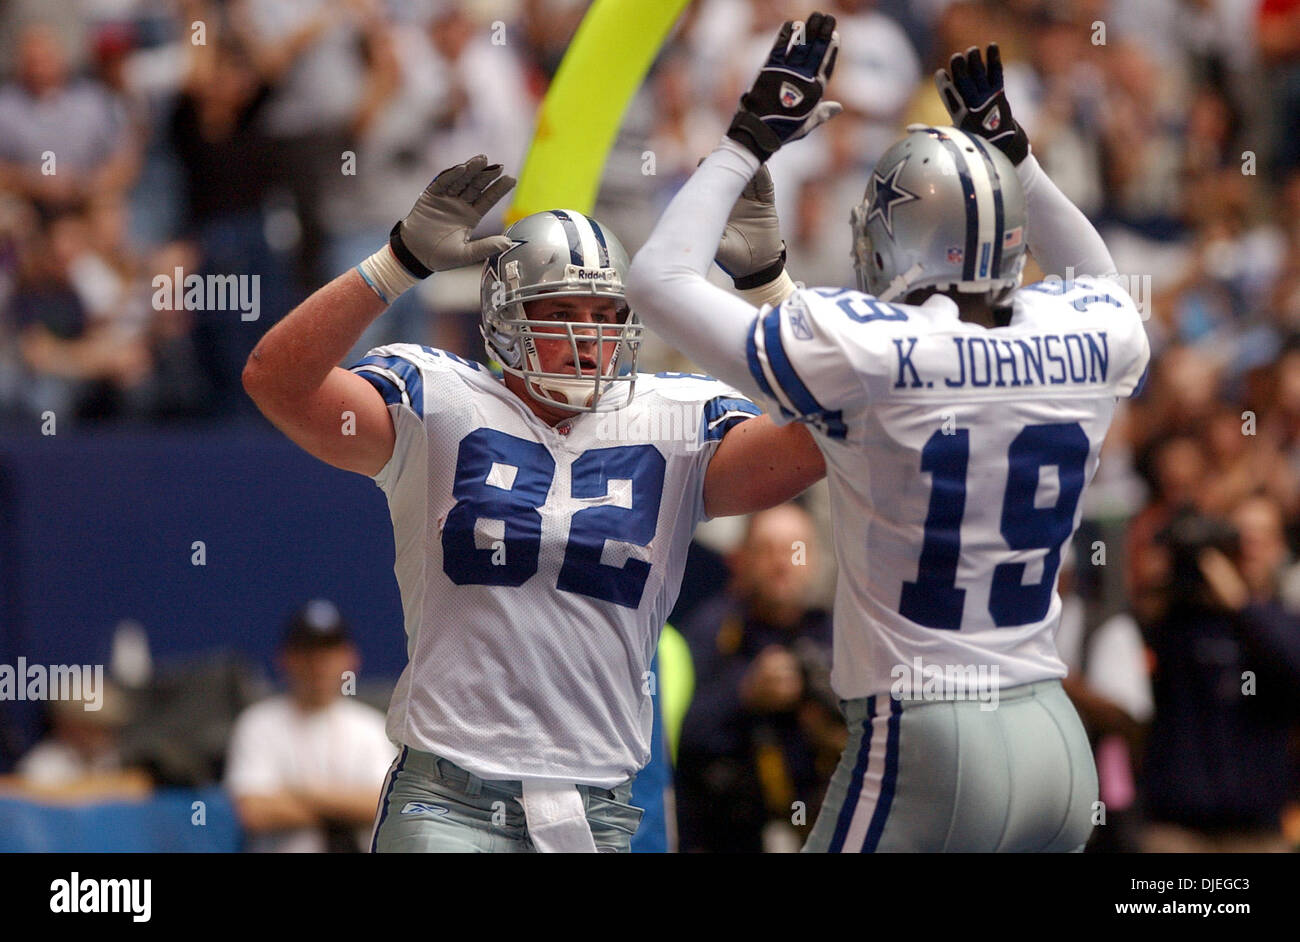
<point x="537" y="564"/>
<point x="956" y="456"/>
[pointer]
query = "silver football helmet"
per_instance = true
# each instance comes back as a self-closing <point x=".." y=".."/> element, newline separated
<point x="943" y="209"/>
<point x="560" y="253"/>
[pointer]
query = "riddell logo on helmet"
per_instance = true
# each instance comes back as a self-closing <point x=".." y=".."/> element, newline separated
<point x="579" y="273"/>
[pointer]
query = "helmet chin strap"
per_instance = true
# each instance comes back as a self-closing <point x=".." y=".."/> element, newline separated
<point x="574" y="392"/>
<point x="902" y="282"/>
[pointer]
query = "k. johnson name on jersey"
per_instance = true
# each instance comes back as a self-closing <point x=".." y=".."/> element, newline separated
<point x="1079" y="358"/>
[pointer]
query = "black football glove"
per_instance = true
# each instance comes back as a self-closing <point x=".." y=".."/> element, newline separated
<point x="977" y="102"/>
<point x="784" y="103"/>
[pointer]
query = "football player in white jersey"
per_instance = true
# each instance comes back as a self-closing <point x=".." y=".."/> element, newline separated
<point x="541" y="523"/>
<point x="961" y="417"/>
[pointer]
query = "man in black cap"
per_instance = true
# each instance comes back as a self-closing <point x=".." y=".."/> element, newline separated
<point x="304" y="768"/>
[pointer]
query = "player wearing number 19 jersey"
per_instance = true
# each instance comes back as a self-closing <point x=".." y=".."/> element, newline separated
<point x="960" y="454"/>
<point x="961" y="417"/>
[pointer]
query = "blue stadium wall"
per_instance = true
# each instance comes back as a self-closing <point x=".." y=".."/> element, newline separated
<point x="96" y="527"/>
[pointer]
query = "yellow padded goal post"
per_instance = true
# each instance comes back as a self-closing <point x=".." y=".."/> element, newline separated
<point x="606" y="62"/>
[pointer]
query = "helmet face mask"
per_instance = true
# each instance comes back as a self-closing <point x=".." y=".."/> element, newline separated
<point x="562" y="254"/>
<point x="943" y="210"/>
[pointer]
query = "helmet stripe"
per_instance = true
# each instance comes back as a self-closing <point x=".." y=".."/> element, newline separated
<point x="981" y="210"/>
<point x="571" y="233"/>
<point x="600" y="239"/>
<point x="972" y="214"/>
<point x="999" y="219"/>
<point x="587" y="238"/>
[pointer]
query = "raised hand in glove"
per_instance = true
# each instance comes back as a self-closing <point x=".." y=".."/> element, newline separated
<point x="977" y="102"/>
<point x="784" y="103"/>
<point x="751" y="250"/>
<point x="435" y="235"/>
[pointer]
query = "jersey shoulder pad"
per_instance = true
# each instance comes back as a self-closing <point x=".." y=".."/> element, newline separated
<point x="707" y="403"/>
<point x="842" y="317"/>
<point x="401" y="372"/>
<point x="682" y="387"/>
<point x="813" y="354"/>
<point x="1085" y="294"/>
<point x="1095" y="302"/>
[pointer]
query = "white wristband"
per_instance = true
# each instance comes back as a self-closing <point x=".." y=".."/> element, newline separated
<point x="386" y="276"/>
<point x="773" y="293"/>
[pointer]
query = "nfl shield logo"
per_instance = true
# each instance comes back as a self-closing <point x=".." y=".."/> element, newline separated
<point x="993" y="120"/>
<point x="954" y="255"/>
<point x="790" y="96"/>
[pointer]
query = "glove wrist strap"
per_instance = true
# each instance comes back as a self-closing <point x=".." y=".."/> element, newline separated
<point x="1018" y="149"/>
<point x="773" y="292"/>
<point x="762" y="277"/>
<point x="386" y="276"/>
<point x="405" y="256"/>
<point x="748" y="130"/>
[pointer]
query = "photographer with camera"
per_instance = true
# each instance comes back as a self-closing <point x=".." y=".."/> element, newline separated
<point x="1227" y="674"/>
<point x="764" y="730"/>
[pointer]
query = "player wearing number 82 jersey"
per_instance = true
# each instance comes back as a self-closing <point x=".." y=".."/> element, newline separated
<point x="522" y="547"/>
<point x="540" y="520"/>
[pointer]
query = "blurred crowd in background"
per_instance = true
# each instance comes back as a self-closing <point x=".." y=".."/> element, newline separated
<point x="282" y="138"/>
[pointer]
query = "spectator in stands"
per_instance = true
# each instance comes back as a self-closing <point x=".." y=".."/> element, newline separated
<point x="1175" y="469"/>
<point x="1278" y="32"/>
<point x="77" y="364"/>
<point x="1280" y="418"/>
<point x="304" y="768"/>
<point x="875" y="75"/>
<point x="400" y="115"/>
<point x="226" y="169"/>
<point x="762" y="730"/>
<point x="1217" y="773"/>
<point x="1110" y="686"/>
<point x="546" y="27"/>
<point x="81" y="757"/>
<point x="310" y="54"/>
<point x="61" y="140"/>
<point x="459" y="60"/>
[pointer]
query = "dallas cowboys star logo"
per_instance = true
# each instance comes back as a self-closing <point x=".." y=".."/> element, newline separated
<point x="887" y="194"/>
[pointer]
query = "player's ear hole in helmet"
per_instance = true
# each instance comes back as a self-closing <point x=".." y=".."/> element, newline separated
<point x="943" y="212"/>
<point x="557" y="254"/>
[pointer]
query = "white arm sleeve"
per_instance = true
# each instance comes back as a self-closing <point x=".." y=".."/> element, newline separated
<point x="1060" y="235"/>
<point x="667" y="284"/>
